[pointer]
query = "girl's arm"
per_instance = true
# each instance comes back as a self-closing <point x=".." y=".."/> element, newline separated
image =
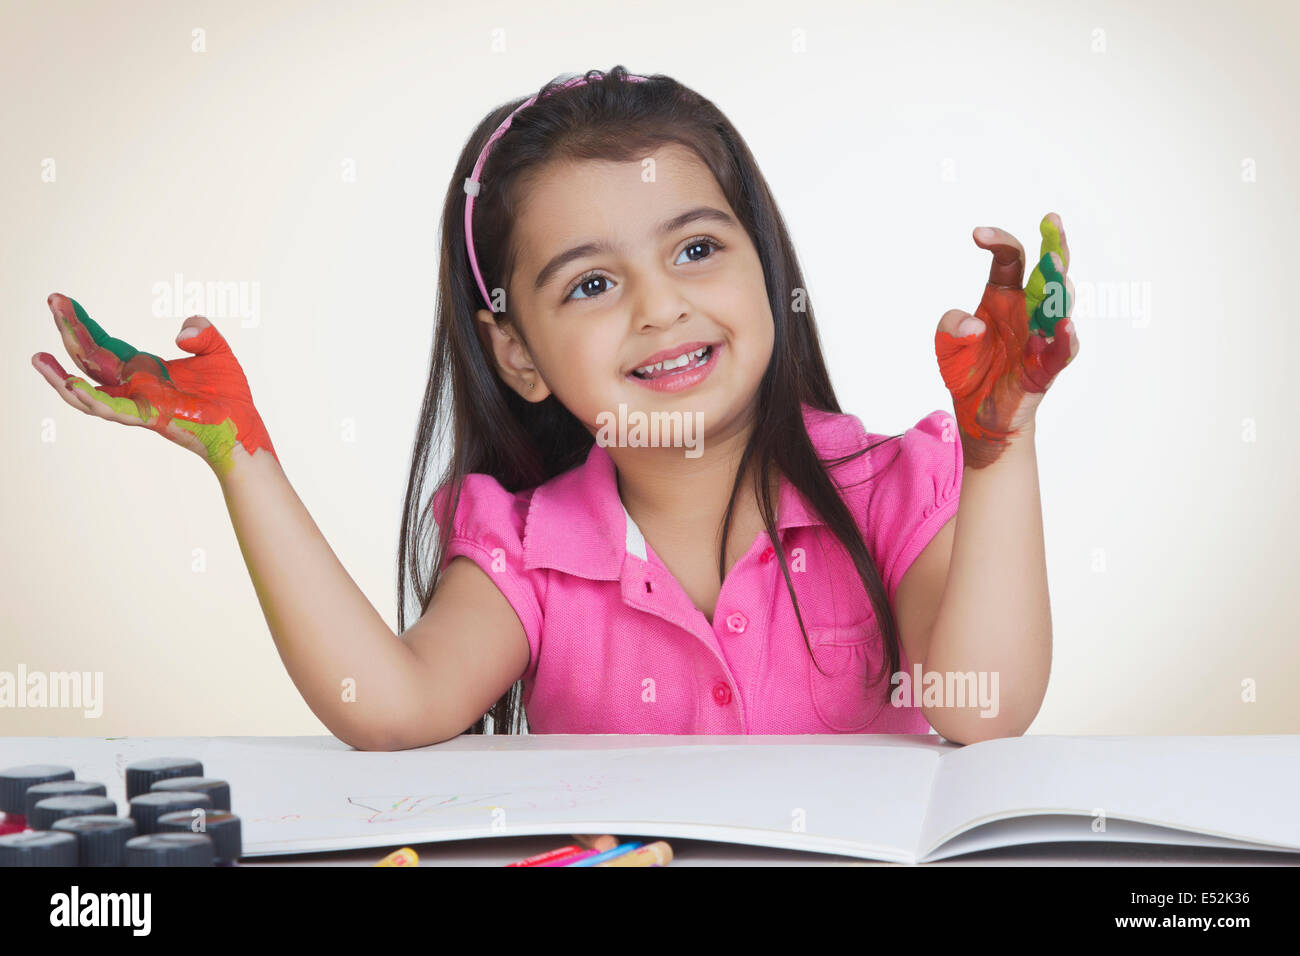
<point x="994" y="616"/>
<point x="372" y="689"/>
<point x="444" y="672"/>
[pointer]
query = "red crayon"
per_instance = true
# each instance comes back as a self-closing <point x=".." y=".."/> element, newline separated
<point x="549" y="855"/>
<point x="571" y="858"/>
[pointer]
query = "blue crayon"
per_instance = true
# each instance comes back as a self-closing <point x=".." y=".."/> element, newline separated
<point x="607" y="855"/>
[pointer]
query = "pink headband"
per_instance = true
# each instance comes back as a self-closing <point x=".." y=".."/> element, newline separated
<point x="473" y="182"/>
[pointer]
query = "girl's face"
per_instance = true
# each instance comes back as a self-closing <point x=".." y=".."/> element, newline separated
<point x="618" y="262"/>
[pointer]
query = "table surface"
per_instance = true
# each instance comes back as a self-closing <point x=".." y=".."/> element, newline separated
<point x="499" y="851"/>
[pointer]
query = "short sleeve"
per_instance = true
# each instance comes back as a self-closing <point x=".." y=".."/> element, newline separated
<point x="915" y="489"/>
<point x="488" y="528"/>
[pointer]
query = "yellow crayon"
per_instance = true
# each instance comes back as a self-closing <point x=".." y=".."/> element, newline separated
<point x="403" y="857"/>
<point x="658" y="853"/>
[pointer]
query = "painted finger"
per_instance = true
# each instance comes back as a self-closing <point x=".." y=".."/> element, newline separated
<point x="54" y="373"/>
<point x="99" y="363"/>
<point x="1044" y="359"/>
<point x="961" y="325"/>
<point x="1047" y="294"/>
<point x="1008" y="268"/>
<point x="105" y="401"/>
<point x="106" y="359"/>
<point x="115" y="404"/>
<point x="1053" y="233"/>
<point x="203" y="340"/>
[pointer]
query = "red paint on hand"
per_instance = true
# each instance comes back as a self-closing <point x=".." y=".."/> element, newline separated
<point x="998" y="376"/>
<point x="207" y="390"/>
<point x="990" y="374"/>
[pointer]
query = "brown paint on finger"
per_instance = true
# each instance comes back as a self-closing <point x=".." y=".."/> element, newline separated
<point x="1008" y="267"/>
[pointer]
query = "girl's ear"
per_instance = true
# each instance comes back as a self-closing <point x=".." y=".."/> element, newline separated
<point x="513" y="363"/>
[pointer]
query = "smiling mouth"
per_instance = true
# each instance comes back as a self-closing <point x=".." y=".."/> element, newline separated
<point x="696" y="360"/>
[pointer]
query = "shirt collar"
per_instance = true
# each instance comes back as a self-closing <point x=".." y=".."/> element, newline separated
<point x="577" y="523"/>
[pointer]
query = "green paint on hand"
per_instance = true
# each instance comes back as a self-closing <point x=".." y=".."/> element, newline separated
<point x="122" y="350"/>
<point x="219" y="440"/>
<point x="1046" y="297"/>
<point x="121" y="405"/>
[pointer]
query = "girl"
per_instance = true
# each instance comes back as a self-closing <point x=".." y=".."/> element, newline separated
<point x="610" y="245"/>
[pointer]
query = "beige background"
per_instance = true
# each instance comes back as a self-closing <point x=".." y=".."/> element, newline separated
<point x="1164" y="135"/>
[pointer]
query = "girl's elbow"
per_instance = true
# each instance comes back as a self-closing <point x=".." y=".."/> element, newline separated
<point x="976" y="728"/>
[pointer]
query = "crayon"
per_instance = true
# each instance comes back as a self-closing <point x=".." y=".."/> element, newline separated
<point x="541" y="858"/>
<point x="570" y="858"/>
<point x="403" y="857"/>
<point x="607" y="855"/>
<point x="658" y="853"/>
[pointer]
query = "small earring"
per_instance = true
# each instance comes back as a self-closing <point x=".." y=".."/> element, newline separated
<point x="530" y="384"/>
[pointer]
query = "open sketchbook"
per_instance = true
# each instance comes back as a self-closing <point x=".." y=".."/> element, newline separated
<point x="906" y="799"/>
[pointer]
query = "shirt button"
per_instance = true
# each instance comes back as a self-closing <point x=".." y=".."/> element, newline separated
<point x="722" y="694"/>
<point x="736" y="622"/>
<point x="768" y="555"/>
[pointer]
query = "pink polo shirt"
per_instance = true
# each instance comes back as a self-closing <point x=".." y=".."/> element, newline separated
<point x="617" y="647"/>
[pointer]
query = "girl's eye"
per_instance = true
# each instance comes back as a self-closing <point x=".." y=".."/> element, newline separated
<point x="705" y="241"/>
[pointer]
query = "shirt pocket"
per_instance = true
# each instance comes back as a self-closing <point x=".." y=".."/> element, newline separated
<point x="848" y="655"/>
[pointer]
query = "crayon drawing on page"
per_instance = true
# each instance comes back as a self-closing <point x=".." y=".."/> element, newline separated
<point x="392" y="808"/>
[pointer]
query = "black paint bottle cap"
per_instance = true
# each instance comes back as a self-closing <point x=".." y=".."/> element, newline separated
<point x="221" y="826"/>
<point x="38" y="848"/>
<point x="62" y="788"/>
<point x="14" y="782"/>
<point x="56" y="808"/>
<point x="143" y="774"/>
<point x="218" y="790"/>
<point x="101" y="839"/>
<point x="148" y="807"/>
<point x="170" y="849"/>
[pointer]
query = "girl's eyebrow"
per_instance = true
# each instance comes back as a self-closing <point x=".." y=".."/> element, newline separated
<point x="698" y="214"/>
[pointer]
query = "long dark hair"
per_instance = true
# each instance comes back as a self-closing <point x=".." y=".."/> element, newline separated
<point x="522" y="444"/>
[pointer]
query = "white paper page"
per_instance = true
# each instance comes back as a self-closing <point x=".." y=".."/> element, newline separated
<point x="1234" y="787"/>
<point x="304" y="799"/>
<point x="1059" y="828"/>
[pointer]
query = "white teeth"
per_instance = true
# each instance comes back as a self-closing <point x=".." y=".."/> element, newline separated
<point x="683" y="359"/>
<point x="676" y="363"/>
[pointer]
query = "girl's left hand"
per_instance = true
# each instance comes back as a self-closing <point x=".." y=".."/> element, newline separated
<point x="999" y="362"/>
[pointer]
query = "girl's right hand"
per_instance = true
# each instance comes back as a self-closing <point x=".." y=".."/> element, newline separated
<point x="202" y="403"/>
